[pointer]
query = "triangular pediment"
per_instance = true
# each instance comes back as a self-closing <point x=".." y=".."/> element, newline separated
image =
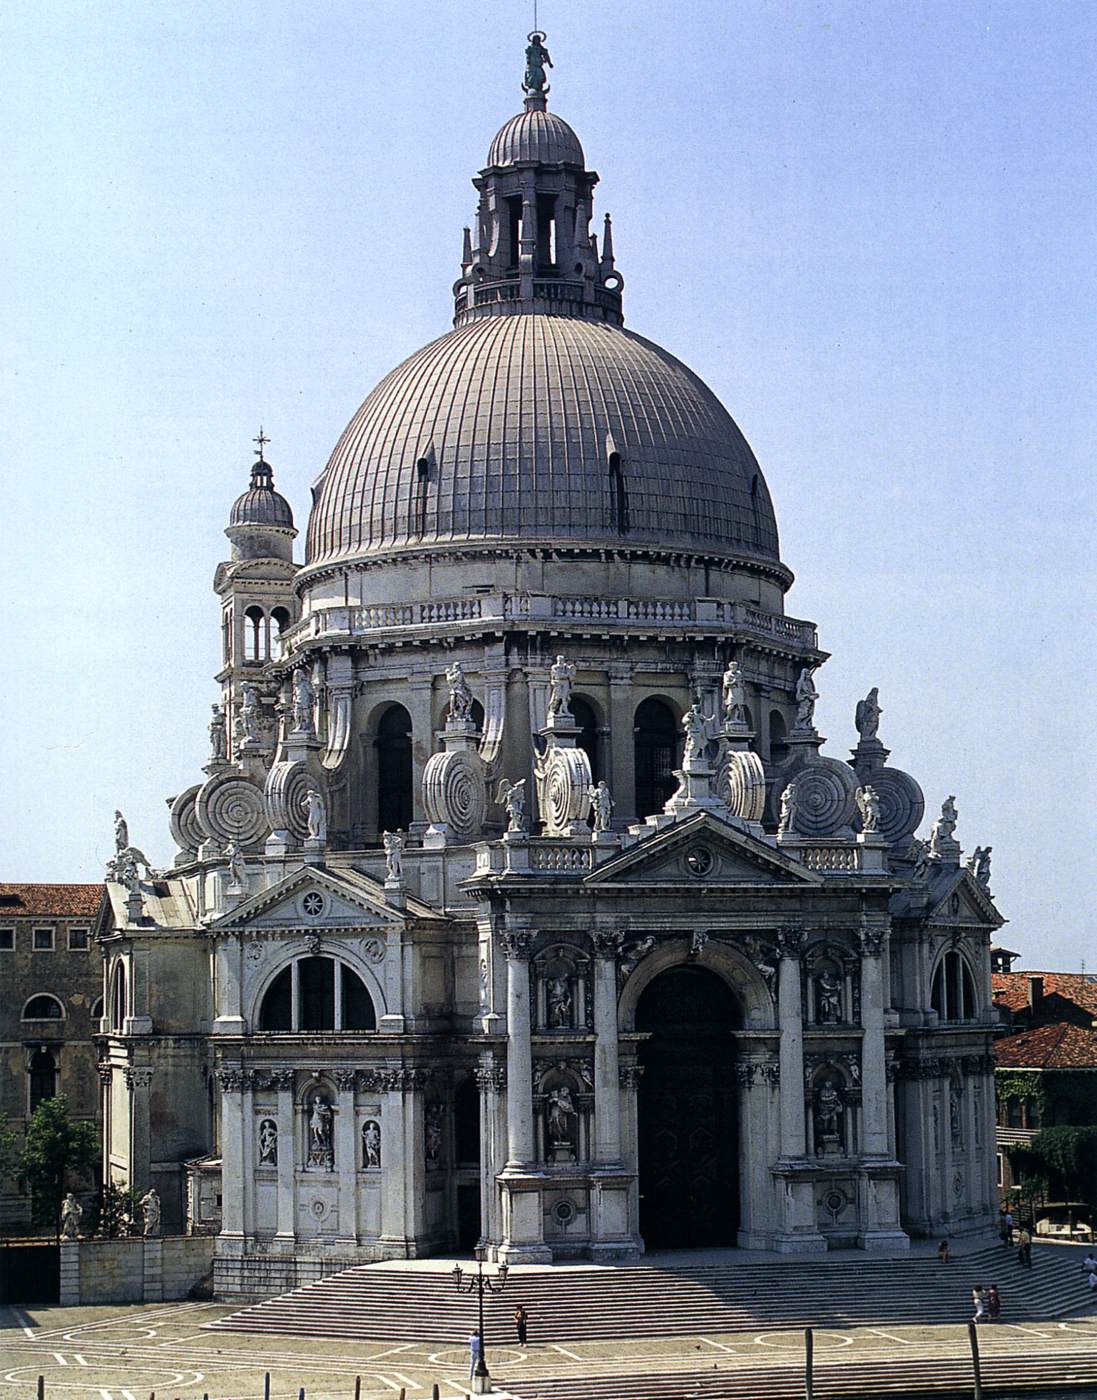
<point x="962" y="900"/>
<point x="703" y="849"/>
<point x="316" y="897"/>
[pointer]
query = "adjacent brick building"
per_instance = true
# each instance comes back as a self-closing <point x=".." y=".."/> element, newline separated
<point x="51" y="975"/>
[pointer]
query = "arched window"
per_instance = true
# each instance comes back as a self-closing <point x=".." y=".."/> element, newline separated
<point x="254" y="638"/>
<point x="620" y="492"/>
<point x="279" y="621"/>
<point x="317" y="994"/>
<point x="393" y="744"/>
<point x="43" y="1077"/>
<point x="587" y="738"/>
<point x="43" y="1008"/>
<point x="953" y="994"/>
<point x="778" y="734"/>
<point x="655" y="747"/>
<point x="466" y="1123"/>
<point x="97" y="1009"/>
<point x="118" y="1003"/>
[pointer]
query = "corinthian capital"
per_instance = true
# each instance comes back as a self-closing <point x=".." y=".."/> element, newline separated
<point x="873" y="936"/>
<point x="515" y="942"/>
<point x="790" y="940"/>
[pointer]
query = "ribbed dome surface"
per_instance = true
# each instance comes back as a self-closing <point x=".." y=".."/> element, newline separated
<point x="261" y="506"/>
<point x="536" y="135"/>
<point x="512" y="417"/>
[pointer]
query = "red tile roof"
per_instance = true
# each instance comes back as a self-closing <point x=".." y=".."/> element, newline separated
<point x="51" y="901"/>
<point x="1060" y="1046"/>
<point x="1011" y="988"/>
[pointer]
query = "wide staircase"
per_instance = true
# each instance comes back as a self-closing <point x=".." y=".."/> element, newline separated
<point x="587" y="1303"/>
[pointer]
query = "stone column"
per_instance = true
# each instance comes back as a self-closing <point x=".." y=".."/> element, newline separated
<point x="418" y="702"/>
<point x="232" y="1159"/>
<point x="247" y="1150"/>
<point x="287" y="1154"/>
<point x="229" y="1018"/>
<point x="516" y="943"/>
<point x="490" y="1079"/>
<point x="790" y="944"/>
<point x="138" y="1079"/>
<point x="346" y="1156"/>
<point x="874" y="1120"/>
<point x="607" y="1085"/>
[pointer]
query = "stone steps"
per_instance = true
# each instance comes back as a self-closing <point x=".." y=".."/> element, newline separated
<point x="1069" y="1374"/>
<point x="380" y="1302"/>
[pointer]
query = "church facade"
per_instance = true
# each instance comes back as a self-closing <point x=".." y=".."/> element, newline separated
<point x="517" y="903"/>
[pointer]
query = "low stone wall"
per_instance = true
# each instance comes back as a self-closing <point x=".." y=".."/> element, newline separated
<point x="133" y="1271"/>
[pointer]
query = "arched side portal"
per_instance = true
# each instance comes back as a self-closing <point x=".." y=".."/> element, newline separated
<point x="688" y="1111"/>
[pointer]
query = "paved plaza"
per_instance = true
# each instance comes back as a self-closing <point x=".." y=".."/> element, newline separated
<point x="129" y="1353"/>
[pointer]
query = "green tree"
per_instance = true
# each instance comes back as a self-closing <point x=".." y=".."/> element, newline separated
<point x="56" y="1152"/>
<point x="9" y="1153"/>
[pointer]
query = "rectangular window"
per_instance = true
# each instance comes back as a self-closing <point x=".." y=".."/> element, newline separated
<point x="1001" y="1170"/>
<point x="7" y="940"/>
<point x="43" y="940"/>
<point x="78" y="938"/>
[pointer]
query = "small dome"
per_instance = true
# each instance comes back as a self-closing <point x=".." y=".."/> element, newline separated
<point x="536" y="135"/>
<point x="261" y="504"/>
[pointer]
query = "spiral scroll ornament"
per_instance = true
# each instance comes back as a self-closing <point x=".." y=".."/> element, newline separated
<point x="286" y="795"/>
<point x="230" y="808"/>
<point x="902" y="805"/>
<point x="455" y="792"/>
<point x="184" y="821"/>
<point x="563" y="789"/>
<point x="825" y="797"/>
<point x="741" y="783"/>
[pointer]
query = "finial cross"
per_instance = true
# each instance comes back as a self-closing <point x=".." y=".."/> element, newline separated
<point x="261" y="442"/>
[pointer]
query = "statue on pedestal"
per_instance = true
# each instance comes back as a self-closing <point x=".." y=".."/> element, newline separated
<point x="320" y="1150"/>
<point x="694" y="725"/>
<point x="867" y="715"/>
<point x="316" y="815"/>
<point x="460" y="696"/>
<point x="735" y="696"/>
<point x="371" y="1144"/>
<point x="561" y="678"/>
<point x="121" y="834"/>
<point x="268" y="1143"/>
<point x="558" y="1001"/>
<point x="979" y="865"/>
<point x="944" y="826"/>
<point x="561" y="1107"/>
<point x="828" y="999"/>
<point x="601" y="805"/>
<point x="512" y="796"/>
<point x="304" y="698"/>
<point x="806" y="696"/>
<point x="238" y="874"/>
<point x="150" y="1206"/>
<point x="394" y="856"/>
<point x="218" y="750"/>
<point x="868" y="804"/>
<point x="72" y="1212"/>
<point x="787" y="819"/>
<point x="535" y="83"/>
<point x="828" y="1114"/>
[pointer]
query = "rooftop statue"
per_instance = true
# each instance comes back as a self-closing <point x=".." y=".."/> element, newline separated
<point x="561" y="676"/>
<point x="867" y="714"/>
<point x="806" y="696"/>
<point x="735" y="695"/>
<point x="460" y="696"/>
<point x="513" y="798"/>
<point x="537" y="60"/>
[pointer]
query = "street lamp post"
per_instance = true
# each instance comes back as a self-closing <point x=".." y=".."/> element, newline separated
<point x="480" y="1283"/>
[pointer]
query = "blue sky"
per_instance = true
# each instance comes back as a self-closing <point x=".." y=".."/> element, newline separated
<point x="869" y="227"/>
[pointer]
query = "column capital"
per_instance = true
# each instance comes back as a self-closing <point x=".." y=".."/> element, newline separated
<point x="346" y="1080"/>
<point x="791" y="938"/>
<point x="516" y="942"/>
<point x="491" y="1078"/>
<point x="283" y="1079"/>
<point x="629" y="1076"/>
<point x="608" y="942"/>
<point x="138" y="1076"/>
<point x="873" y="936"/>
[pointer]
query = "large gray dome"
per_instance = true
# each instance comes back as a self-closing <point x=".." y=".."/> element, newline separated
<point x="504" y="430"/>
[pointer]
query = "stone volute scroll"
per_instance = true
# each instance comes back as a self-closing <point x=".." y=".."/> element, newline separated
<point x="339" y="705"/>
<point x="185" y="829"/>
<point x="455" y="781"/>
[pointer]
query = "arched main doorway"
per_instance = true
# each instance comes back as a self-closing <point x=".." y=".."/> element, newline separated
<point x="688" y="1111"/>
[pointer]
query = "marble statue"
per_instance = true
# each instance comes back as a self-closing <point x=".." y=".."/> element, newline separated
<point x="868" y="804"/>
<point x="537" y="60"/>
<point x="694" y="725"/>
<point x="268" y="1143"/>
<point x="218" y="750"/>
<point x="867" y="715"/>
<point x="979" y="865"/>
<point x="954" y="1113"/>
<point x="72" y="1212"/>
<point x="320" y="1153"/>
<point x="121" y="833"/>
<point x="371" y="1143"/>
<point x="806" y="696"/>
<point x="735" y="695"/>
<point x="633" y="954"/>
<point x="561" y="677"/>
<point x="828" y="999"/>
<point x="394" y="855"/>
<point x="316" y="815"/>
<point x="238" y="874"/>
<point x="150" y="1206"/>
<point x="561" y="1107"/>
<point x="248" y="718"/>
<point x="432" y="1131"/>
<point x="828" y="1110"/>
<point x="761" y="955"/>
<point x="558" y="1001"/>
<point x="304" y="698"/>
<point x="460" y="696"/>
<point x="126" y="871"/>
<point x="601" y="804"/>
<point x="787" y="819"/>
<point x="512" y="796"/>
<point x="944" y="826"/>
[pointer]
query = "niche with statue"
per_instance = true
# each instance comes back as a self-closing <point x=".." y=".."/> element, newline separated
<point x="563" y="1101"/>
<point x="561" y="988"/>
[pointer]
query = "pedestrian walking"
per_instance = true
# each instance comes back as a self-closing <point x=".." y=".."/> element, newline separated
<point x="476" y="1350"/>
<point x="994" y="1303"/>
<point x="1024" y="1248"/>
<point x="1005" y="1226"/>
<point x="521" y="1322"/>
<point x="979" y="1302"/>
<point x="943" y="1252"/>
<point x="1089" y="1268"/>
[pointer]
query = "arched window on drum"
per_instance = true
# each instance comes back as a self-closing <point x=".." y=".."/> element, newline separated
<point x="953" y="993"/>
<point x="317" y="994"/>
<point x="656" y="750"/>
<point x="394" y="774"/>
